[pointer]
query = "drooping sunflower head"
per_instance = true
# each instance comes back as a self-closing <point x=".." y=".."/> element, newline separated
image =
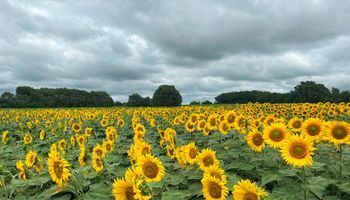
<point x="224" y="127"/>
<point x="297" y="151"/>
<point x="213" y="188"/>
<point x="275" y="134"/>
<point x="31" y="158"/>
<point x="98" y="151"/>
<point x="255" y="140"/>
<point x="152" y="168"/>
<point x="246" y="190"/>
<point x="206" y="158"/>
<point x="313" y="129"/>
<point x="97" y="163"/>
<point x="42" y="135"/>
<point x="338" y="132"/>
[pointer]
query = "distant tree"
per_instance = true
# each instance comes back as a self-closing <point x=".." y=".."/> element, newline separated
<point x="344" y="96"/>
<point x="207" y="102"/>
<point x="335" y="95"/>
<point x="118" y="103"/>
<point x="7" y="100"/>
<point x="136" y="100"/>
<point x="312" y="92"/>
<point x="195" y="102"/>
<point x="167" y="95"/>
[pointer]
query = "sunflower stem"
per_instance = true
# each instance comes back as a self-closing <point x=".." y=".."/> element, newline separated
<point x="304" y="180"/>
<point x="340" y="162"/>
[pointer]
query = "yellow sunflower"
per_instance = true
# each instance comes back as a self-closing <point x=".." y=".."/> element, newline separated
<point x="206" y="158"/>
<point x="295" y="124"/>
<point x="246" y="190"/>
<point x="97" y="163"/>
<point x="59" y="169"/>
<point x="297" y="151"/>
<point x="191" y="153"/>
<point x="255" y="140"/>
<point x="216" y="172"/>
<point x="27" y="139"/>
<point x="224" y="127"/>
<point x="152" y="168"/>
<point x="313" y="129"/>
<point x="4" y="137"/>
<point x="275" y="134"/>
<point x="42" y="135"/>
<point x="189" y="126"/>
<point x="31" y="158"/>
<point x="338" y="132"/>
<point x="214" y="189"/>
<point x="76" y="127"/>
<point x="126" y="190"/>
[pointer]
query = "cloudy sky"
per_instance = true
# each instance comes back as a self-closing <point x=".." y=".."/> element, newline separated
<point x="202" y="47"/>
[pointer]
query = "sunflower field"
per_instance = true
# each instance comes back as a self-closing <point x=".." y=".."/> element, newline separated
<point x="241" y="152"/>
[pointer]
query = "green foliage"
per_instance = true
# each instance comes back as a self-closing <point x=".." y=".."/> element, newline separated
<point x="166" y="95"/>
<point x="28" y="97"/>
<point x="136" y="100"/>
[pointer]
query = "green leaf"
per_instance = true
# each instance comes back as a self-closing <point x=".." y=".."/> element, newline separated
<point x="317" y="185"/>
<point x="268" y="178"/>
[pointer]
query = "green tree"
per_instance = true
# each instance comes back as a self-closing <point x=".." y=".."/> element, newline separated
<point x="167" y="95"/>
<point x="312" y="92"/>
<point x="136" y="100"/>
<point x="207" y="102"/>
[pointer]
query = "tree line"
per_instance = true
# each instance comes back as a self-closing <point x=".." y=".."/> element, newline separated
<point x="305" y="91"/>
<point x="164" y="95"/>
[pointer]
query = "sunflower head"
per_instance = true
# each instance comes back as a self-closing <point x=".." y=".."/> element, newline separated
<point x="338" y="132"/>
<point x="297" y="151"/>
<point x="246" y="190"/>
<point x="206" y="158"/>
<point x="313" y="129"/>
<point x="275" y="134"/>
<point x="255" y="140"/>
<point x="213" y="188"/>
<point x="151" y="167"/>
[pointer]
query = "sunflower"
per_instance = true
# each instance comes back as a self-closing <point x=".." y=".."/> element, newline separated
<point x="107" y="145"/>
<point x="152" y="168"/>
<point x="97" y="163"/>
<point x="246" y="190"/>
<point x="191" y="153"/>
<point x="297" y="151"/>
<point x="338" y="132"/>
<point x="212" y="122"/>
<point x="20" y="165"/>
<point x="126" y="190"/>
<point x="214" y="189"/>
<point x="206" y="159"/>
<point x="81" y="140"/>
<point x="42" y="135"/>
<point x="72" y="140"/>
<point x="255" y="140"/>
<point x="98" y="151"/>
<point x="313" y="129"/>
<point x="189" y="126"/>
<point x="88" y="131"/>
<point x="4" y="137"/>
<point x="58" y="168"/>
<point x="275" y="134"/>
<point x="104" y="122"/>
<point x="81" y="157"/>
<point x="201" y="124"/>
<point x="31" y="158"/>
<point x="216" y="172"/>
<point x="76" y="127"/>
<point x="120" y="122"/>
<point x="295" y="124"/>
<point x="27" y="139"/>
<point x="62" y="144"/>
<point x="224" y="127"/>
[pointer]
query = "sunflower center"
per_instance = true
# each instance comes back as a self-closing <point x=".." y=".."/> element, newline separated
<point x="215" y="190"/>
<point x="193" y="153"/>
<point x="145" y="151"/>
<point x="216" y="175"/>
<point x="296" y="124"/>
<point x="99" y="162"/>
<point x="31" y="159"/>
<point x="58" y="168"/>
<point x="250" y="196"/>
<point x="99" y="152"/>
<point x="258" y="139"/>
<point x="129" y="193"/>
<point x="339" y="133"/>
<point x="313" y="130"/>
<point x="208" y="161"/>
<point x="298" y="151"/>
<point x="108" y="147"/>
<point x="276" y="135"/>
<point x="231" y="119"/>
<point x="212" y="122"/>
<point x="150" y="169"/>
